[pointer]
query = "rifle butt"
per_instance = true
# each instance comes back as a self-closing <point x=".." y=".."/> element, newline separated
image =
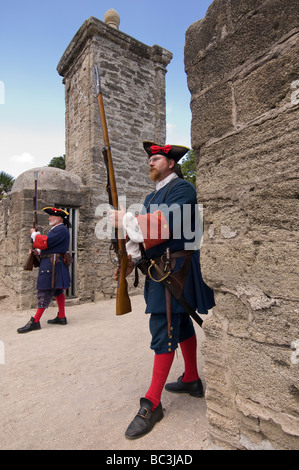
<point x="123" y="303"/>
<point x="29" y="263"/>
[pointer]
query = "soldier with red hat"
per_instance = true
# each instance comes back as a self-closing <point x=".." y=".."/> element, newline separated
<point x="167" y="238"/>
<point x="53" y="275"/>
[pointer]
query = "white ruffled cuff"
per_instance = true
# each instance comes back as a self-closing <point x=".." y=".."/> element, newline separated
<point x="33" y="235"/>
<point x="130" y="223"/>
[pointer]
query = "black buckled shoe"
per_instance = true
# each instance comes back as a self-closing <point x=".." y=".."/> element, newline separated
<point x="195" y="388"/>
<point x="58" y="321"/>
<point x="145" y="419"/>
<point x="30" y="326"/>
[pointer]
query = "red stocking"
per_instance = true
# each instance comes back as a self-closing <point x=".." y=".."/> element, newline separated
<point x="60" y="299"/>
<point x="162" y="365"/>
<point x="188" y="348"/>
<point x="38" y="314"/>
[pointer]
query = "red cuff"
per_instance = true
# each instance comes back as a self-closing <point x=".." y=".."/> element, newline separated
<point x="154" y="227"/>
<point x="40" y="242"/>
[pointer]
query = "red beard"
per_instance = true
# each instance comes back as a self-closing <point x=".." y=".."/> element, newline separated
<point x="154" y="174"/>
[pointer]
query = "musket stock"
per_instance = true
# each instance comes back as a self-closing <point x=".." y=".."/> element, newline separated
<point x="29" y="262"/>
<point x="123" y="303"/>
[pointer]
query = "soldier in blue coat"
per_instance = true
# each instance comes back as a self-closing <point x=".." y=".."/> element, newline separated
<point x="53" y="275"/>
<point x="167" y="234"/>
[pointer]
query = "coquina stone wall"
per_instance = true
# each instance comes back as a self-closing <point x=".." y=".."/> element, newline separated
<point x="243" y="74"/>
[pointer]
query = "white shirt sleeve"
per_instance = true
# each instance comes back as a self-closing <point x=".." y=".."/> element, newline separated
<point x="134" y="232"/>
<point x="33" y="235"/>
<point x="133" y="250"/>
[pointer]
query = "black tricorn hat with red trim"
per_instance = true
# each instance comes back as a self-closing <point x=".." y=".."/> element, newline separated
<point x="58" y="213"/>
<point x="174" y="152"/>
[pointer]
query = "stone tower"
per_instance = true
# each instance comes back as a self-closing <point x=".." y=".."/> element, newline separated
<point x="133" y="85"/>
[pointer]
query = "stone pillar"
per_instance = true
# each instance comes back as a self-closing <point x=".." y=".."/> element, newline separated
<point x="56" y="187"/>
<point x="242" y="67"/>
<point x="133" y="85"/>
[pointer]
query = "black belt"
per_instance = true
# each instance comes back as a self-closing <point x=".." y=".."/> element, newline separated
<point x="51" y="255"/>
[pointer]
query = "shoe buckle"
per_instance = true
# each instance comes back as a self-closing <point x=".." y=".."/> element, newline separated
<point x="146" y="412"/>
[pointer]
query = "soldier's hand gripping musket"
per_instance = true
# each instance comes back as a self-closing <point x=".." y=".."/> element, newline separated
<point x="123" y="303"/>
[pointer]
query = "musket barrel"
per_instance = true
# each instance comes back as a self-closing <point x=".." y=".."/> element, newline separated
<point x="106" y="137"/>
<point x="123" y="303"/>
<point x="31" y="259"/>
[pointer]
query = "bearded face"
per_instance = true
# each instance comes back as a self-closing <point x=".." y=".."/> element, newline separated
<point x="160" y="167"/>
<point x="53" y="220"/>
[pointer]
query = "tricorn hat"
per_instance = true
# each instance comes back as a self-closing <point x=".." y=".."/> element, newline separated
<point x="174" y="152"/>
<point x="58" y="213"/>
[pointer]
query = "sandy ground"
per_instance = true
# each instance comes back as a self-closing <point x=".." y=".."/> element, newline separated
<point x="77" y="387"/>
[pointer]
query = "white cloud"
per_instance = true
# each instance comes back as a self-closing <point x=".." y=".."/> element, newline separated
<point x="23" y="158"/>
<point x="170" y="127"/>
<point x="22" y="149"/>
<point x="18" y="163"/>
<point x="175" y="137"/>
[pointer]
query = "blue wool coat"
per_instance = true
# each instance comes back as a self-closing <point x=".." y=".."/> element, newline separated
<point x="57" y="241"/>
<point x="181" y="224"/>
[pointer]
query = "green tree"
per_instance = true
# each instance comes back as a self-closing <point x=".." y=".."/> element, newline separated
<point x="58" y="162"/>
<point x="6" y="182"/>
<point x="188" y="167"/>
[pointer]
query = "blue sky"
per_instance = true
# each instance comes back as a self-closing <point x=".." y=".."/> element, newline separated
<point x="33" y="37"/>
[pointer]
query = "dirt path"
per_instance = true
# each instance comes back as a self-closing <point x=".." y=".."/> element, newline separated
<point x="78" y="386"/>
